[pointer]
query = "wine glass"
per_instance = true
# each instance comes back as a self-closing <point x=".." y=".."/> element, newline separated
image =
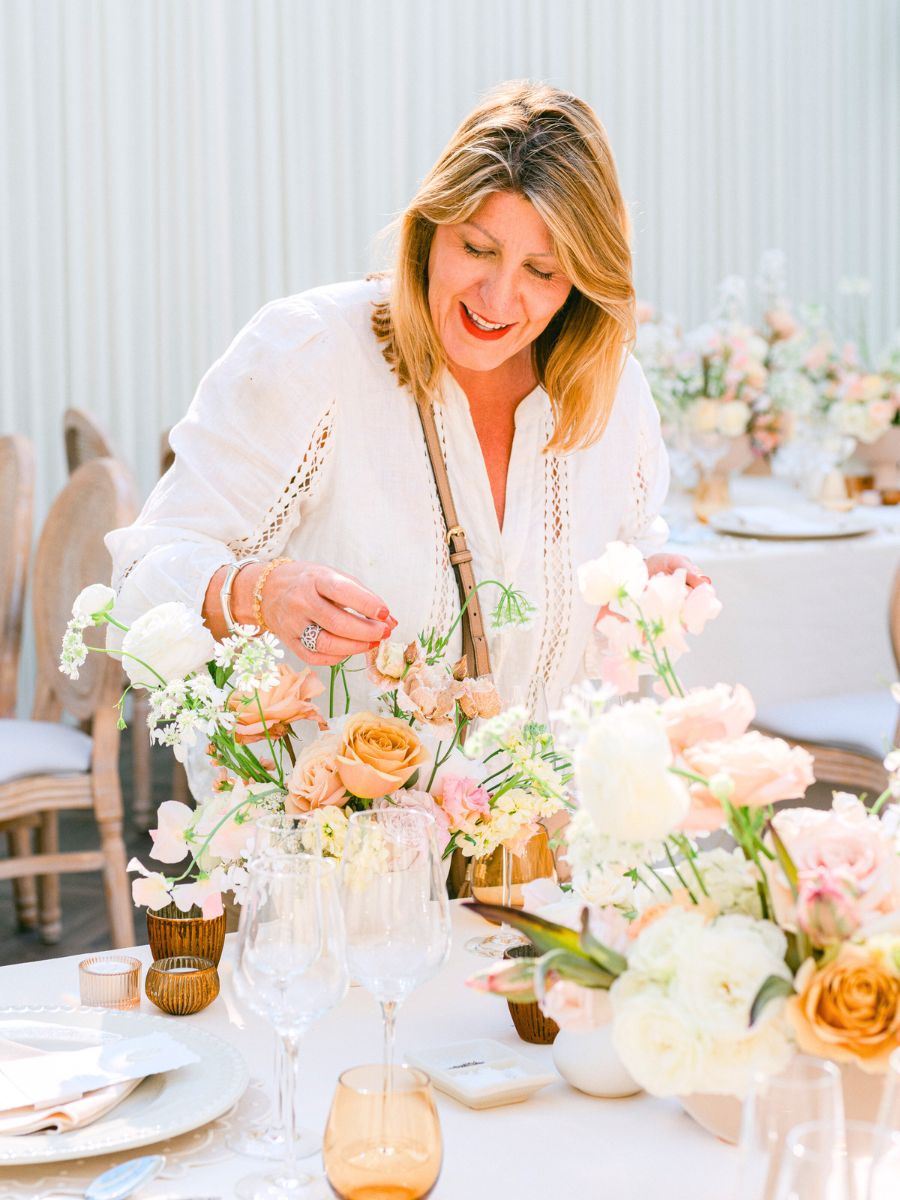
<point x="273" y="834"/>
<point x="291" y="969"/>
<point x="396" y="908"/>
<point x="379" y="1144"/>
<point x="889" y="1111"/>
<point x="809" y="1089"/>
<point x="822" y="1163"/>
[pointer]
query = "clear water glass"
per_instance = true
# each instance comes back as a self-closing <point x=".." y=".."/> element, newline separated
<point x="291" y="970"/>
<point x="395" y="905"/>
<point x="809" y="1089"/>
<point x="861" y="1162"/>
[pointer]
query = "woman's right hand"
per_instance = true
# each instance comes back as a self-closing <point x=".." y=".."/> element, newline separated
<point x="298" y="594"/>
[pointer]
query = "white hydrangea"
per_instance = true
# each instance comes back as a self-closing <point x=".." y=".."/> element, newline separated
<point x="731" y="881"/>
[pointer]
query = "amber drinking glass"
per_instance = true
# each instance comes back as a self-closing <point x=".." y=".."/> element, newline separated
<point x="383" y="1136"/>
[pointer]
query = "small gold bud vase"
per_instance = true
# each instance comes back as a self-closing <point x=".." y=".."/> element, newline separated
<point x="182" y="985"/>
<point x="536" y="862"/>
<point x="172" y="932"/>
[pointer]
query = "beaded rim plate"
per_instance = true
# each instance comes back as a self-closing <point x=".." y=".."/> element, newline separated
<point x="163" y="1106"/>
<point x="809" y="527"/>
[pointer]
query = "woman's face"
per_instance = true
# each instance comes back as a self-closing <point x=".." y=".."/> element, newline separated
<point x="494" y="283"/>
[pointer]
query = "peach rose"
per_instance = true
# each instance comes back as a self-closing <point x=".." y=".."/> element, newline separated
<point x="707" y="715"/>
<point x="760" y="770"/>
<point x="377" y="755"/>
<point x="849" y="1010"/>
<point x="290" y="700"/>
<point x="314" y="781"/>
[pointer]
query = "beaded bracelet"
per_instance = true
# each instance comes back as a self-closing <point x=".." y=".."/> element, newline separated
<point x="258" y="592"/>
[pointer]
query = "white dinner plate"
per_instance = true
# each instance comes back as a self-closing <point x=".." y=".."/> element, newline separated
<point x="780" y="525"/>
<point x="163" y="1106"/>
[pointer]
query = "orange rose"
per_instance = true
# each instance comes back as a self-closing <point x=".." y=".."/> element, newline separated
<point x="378" y="755"/>
<point x="289" y="701"/>
<point x="849" y="1010"/>
<point x="314" y="781"/>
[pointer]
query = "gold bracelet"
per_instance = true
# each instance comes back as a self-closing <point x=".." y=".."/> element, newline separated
<point x="258" y="592"/>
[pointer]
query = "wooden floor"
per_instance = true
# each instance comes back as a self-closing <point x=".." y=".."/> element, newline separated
<point x="85" y="927"/>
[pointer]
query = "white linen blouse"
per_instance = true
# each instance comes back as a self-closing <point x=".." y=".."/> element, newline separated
<point x="299" y="442"/>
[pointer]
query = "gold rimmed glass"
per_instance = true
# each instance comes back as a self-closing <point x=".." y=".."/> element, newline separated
<point x="383" y="1136"/>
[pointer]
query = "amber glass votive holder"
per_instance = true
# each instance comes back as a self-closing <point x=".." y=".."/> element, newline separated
<point x="182" y="985"/>
<point x="110" y="981"/>
<point x="383" y="1136"/>
<point x="172" y="932"/>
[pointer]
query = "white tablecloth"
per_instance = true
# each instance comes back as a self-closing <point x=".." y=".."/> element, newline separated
<point x="800" y="618"/>
<point x="559" y="1143"/>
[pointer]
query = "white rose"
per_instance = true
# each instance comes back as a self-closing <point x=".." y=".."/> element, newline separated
<point x="622" y="776"/>
<point x="733" y="417"/>
<point x="666" y="944"/>
<point x="718" y="983"/>
<point x="97" y="597"/>
<point x="390" y="659"/>
<point x="704" y="416"/>
<point x="171" y="640"/>
<point x="620" y="571"/>
<point x="657" y="1042"/>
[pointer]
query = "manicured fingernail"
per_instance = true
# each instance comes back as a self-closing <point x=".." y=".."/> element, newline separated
<point x="382" y="614"/>
<point x="387" y="632"/>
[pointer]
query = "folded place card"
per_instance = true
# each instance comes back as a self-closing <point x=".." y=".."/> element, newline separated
<point x="64" y="1075"/>
<point x="482" y="1073"/>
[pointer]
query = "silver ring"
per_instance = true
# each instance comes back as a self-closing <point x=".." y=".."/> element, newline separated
<point x="310" y="636"/>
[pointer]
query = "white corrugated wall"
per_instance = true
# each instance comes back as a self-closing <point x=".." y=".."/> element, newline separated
<point x="169" y="165"/>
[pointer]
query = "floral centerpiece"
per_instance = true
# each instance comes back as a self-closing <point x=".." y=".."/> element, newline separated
<point x="245" y="706"/>
<point x="718" y="963"/>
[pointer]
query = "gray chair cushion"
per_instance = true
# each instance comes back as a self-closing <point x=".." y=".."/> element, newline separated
<point x="861" y="721"/>
<point x="41" y="748"/>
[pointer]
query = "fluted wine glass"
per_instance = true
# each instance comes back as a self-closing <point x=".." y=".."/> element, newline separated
<point x="395" y="907"/>
<point x="291" y="970"/>
<point x="273" y="834"/>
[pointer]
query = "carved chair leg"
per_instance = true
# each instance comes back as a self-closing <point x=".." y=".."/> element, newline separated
<point x="24" y="889"/>
<point x="51" y="910"/>
<point x="115" y="880"/>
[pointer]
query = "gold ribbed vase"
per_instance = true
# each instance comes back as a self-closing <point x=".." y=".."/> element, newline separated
<point x="171" y="932"/>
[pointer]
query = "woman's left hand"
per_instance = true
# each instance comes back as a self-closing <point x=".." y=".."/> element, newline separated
<point x="667" y="564"/>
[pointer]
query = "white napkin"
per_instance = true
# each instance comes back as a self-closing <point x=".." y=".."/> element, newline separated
<point x="61" y="1090"/>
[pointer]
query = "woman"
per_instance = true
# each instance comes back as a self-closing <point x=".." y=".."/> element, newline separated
<point x="510" y="310"/>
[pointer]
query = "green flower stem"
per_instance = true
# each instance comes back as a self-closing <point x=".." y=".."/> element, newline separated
<point x="659" y="877"/>
<point x="672" y="674"/>
<point x="681" y="879"/>
<point x="461" y="722"/>
<point x="209" y="837"/>
<point x="331" y="684"/>
<point x="275" y="757"/>
<point x="691" y="775"/>
<point x="880" y="802"/>
<point x="748" y="841"/>
<point x="684" y="844"/>
<point x="125" y="654"/>
<point x="484" y="583"/>
<point x="661" y="670"/>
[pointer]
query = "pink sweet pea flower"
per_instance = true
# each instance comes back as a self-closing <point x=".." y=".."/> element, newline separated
<point x="205" y="893"/>
<point x="701" y="605"/>
<point x="151" y="890"/>
<point x="617" y="655"/>
<point x="662" y="604"/>
<point x="169" y="841"/>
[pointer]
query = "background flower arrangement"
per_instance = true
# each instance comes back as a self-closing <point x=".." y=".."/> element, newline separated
<point x="239" y="701"/>
<point x="718" y="963"/>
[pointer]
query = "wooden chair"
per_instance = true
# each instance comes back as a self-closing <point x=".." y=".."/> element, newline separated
<point x="47" y="766"/>
<point x="86" y="440"/>
<point x="847" y="735"/>
<point x="16" y="515"/>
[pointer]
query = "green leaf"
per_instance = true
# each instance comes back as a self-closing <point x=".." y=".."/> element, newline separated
<point x="610" y="960"/>
<point x="570" y="967"/>
<point x="772" y="988"/>
<point x="785" y="860"/>
<point x="543" y="935"/>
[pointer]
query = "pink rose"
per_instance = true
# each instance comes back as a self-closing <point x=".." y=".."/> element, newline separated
<point x="781" y="322"/>
<point x="314" y="781"/>
<point x="761" y="771"/>
<point x="707" y="715"/>
<point x="575" y="1008"/>
<point x="847" y="866"/>
<point x="461" y="799"/>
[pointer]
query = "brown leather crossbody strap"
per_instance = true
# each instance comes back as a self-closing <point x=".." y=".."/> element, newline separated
<point x="475" y="645"/>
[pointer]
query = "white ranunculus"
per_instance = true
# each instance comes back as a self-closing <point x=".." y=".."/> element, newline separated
<point x="171" y="640"/>
<point x="666" y="943"/>
<point x="622" y="776"/>
<point x="733" y="417"/>
<point x="390" y="659"/>
<point x="97" y="597"/>
<point x="621" y="571"/>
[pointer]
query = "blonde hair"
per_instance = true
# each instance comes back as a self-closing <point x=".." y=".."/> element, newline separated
<point x="548" y="146"/>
